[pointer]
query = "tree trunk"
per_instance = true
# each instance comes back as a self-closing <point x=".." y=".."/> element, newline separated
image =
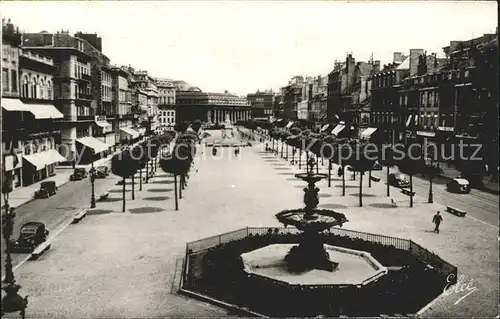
<point x="123" y="189"/>
<point x="175" y="191"/>
<point x="281" y="147"/>
<point x="361" y="189"/>
<point x="388" y="186"/>
<point x="317" y="165"/>
<point x="286" y="152"/>
<point x="300" y="158"/>
<point x="140" y="179"/>
<point x="343" y="180"/>
<point x="411" y="190"/>
<point x="180" y="186"/>
<point x="370" y="178"/>
<point x="329" y="173"/>
<point x="147" y="173"/>
<point x="431" y="199"/>
<point x="133" y="187"/>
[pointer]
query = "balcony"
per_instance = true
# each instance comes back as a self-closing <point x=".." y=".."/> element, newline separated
<point x="84" y="97"/>
<point x="85" y="118"/>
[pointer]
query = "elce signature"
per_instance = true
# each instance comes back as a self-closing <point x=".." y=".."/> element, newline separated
<point x="461" y="286"/>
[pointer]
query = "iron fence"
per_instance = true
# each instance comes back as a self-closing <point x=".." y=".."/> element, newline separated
<point x="403" y="244"/>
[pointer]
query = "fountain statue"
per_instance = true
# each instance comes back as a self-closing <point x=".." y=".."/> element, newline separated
<point x="310" y="252"/>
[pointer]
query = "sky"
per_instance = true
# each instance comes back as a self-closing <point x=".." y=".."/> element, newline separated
<point x="242" y="46"/>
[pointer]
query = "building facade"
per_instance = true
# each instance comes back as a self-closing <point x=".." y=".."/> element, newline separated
<point x="126" y="116"/>
<point x="318" y="112"/>
<point x="211" y="107"/>
<point x="262" y="103"/>
<point x="29" y="130"/>
<point x="166" y="103"/>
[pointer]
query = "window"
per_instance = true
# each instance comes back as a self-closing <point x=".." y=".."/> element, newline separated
<point x="5" y="79"/>
<point x="42" y="89"/>
<point x="34" y="88"/>
<point x="49" y="90"/>
<point x="14" y="80"/>
<point x="26" y="87"/>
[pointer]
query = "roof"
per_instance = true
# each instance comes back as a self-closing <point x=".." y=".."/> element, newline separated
<point x="405" y="65"/>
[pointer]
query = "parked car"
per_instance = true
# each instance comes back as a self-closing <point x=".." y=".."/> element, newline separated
<point x="78" y="174"/>
<point x="102" y="171"/>
<point x="399" y="180"/>
<point x="47" y="189"/>
<point x="458" y="185"/>
<point x="31" y="235"/>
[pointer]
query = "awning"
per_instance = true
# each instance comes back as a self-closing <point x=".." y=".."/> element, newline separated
<point x="93" y="143"/>
<point x="130" y="132"/>
<point x="44" y="111"/>
<point x="368" y="132"/>
<point x="289" y="124"/>
<point x="338" y="129"/>
<point x="426" y="134"/>
<point x="325" y="127"/>
<point x="41" y="159"/>
<point x="103" y="123"/>
<point x="14" y="105"/>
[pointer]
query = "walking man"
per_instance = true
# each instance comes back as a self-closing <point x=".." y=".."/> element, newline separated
<point x="437" y="221"/>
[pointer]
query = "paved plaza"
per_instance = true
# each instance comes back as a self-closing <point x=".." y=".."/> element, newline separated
<point x="128" y="265"/>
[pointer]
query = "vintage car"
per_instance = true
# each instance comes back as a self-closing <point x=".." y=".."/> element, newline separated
<point x="102" y="172"/>
<point x="78" y="174"/>
<point x="458" y="185"/>
<point x="399" y="180"/>
<point x="31" y="235"/>
<point x="47" y="189"/>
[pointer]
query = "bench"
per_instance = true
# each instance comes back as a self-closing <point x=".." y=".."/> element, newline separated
<point x="79" y="216"/>
<point x="407" y="192"/>
<point x="456" y="212"/>
<point x="40" y="249"/>
<point x="103" y="196"/>
<point x="375" y="179"/>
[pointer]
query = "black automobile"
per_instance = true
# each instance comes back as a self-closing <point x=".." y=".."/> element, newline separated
<point x="47" y="189"/>
<point x="102" y="172"/>
<point x="78" y="174"/>
<point x="399" y="180"/>
<point x="31" y="235"/>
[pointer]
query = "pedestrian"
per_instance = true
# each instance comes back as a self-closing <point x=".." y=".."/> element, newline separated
<point x="437" y="219"/>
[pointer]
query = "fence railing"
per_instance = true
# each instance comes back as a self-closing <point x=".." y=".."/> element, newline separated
<point x="403" y="244"/>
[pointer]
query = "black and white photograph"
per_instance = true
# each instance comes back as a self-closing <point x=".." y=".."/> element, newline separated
<point x="216" y="159"/>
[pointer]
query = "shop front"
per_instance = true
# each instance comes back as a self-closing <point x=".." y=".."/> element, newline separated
<point x="39" y="166"/>
<point x="89" y="149"/>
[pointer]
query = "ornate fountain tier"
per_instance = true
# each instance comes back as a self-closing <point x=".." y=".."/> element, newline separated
<point x="310" y="253"/>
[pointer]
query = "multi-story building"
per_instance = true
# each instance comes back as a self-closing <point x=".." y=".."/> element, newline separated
<point x="126" y="115"/>
<point x="292" y="96"/>
<point x="262" y="103"/>
<point x="146" y="99"/>
<point x="318" y="110"/>
<point x="28" y="113"/>
<point x="388" y="112"/>
<point x="166" y="103"/>
<point x="152" y="95"/>
<point x="211" y="107"/>
<point x="73" y="94"/>
<point x="278" y="106"/>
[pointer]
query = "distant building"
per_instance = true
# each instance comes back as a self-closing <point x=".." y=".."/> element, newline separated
<point x="126" y="114"/>
<point x="166" y="103"/>
<point x="211" y="107"/>
<point x="262" y="103"/>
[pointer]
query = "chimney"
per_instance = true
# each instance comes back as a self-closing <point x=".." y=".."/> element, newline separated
<point x="414" y="54"/>
<point x="398" y="57"/>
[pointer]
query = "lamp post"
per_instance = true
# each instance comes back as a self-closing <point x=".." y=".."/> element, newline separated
<point x="92" y="182"/>
<point x="12" y="301"/>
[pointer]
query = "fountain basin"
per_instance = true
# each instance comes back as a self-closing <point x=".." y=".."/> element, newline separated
<point x="355" y="267"/>
<point x="315" y="220"/>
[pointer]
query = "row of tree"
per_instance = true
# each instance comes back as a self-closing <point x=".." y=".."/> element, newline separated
<point x="357" y="156"/>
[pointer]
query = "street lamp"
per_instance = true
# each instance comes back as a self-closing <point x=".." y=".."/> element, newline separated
<point x="12" y="301"/>
<point x="92" y="181"/>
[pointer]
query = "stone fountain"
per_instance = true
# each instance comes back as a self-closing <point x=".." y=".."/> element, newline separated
<point x="310" y="253"/>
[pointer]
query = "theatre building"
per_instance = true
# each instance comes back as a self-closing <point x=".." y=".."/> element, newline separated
<point x="211" y="107"/>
